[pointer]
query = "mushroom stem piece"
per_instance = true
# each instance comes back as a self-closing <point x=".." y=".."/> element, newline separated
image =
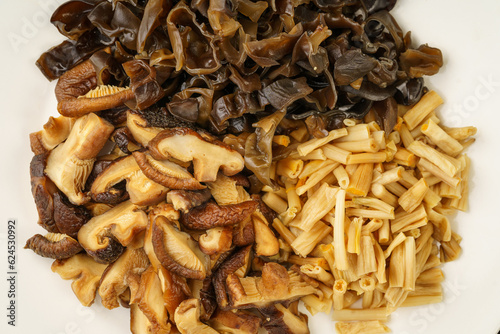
<point x="70" y="163"/>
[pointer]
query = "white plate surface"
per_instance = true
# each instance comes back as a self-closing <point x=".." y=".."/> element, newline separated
<point x="468" y="33"/>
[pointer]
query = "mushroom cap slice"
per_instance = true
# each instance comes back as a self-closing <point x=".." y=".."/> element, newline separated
<point x="138" y="126"/>
<point x="54" y="245"/>
<point x="228" y="267"/>
<point x="177" y="251"/>
<point x="187" y="318"/>
<point x="43" y="190"/>
<point x="208" y="155"/>
<point x="275" y="285"/>
<point x="228" y="190"/>
<point x="166" y="173"/>
<point x="85" y="273"/>
<point x="114" y="279"/>
<point x="266" y="243"/>
<point x="211" y="215"/>
<point x="149" y="299"/>
<point x="54" y="132"/>
<point x="139" y="323"/>
<point x="68" y="217"/>
<point x="281" y="320"/>
<point x="216" y="240"/>
<point x="185" y="200"/>
<point x="70" y="163"/>
<point x="104" y="236"/>
<point x="141" y="189"/>
<point x="237" y="322"/>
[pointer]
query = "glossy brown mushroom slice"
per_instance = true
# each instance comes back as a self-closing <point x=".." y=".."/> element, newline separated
<point x="208" y="155"/>
<point x="114" y="281"/>
<point x="139" y="323"/>
<point x="166" y="173"/>
<point x="78" y="94"/>
<point x="187" y="318"/>
<point x="177" y="251"/>
<point x="105" y="236"/>
<point x="237" y="322"/>
<point x="167" y="211"/>
<point x="149" y="299"/>
<point x="70" y="163"/>
<point x="54" y="245"/>
<point x="210" y="215"/>
<point x="54" y="132"/>
<point x="85" y="273"/>
<point x="276" y="285"/>
<point x="141" y="189"/>
<point x="43" y="190"/>
<point x="175" y="290"/>
<point x="228" y="267"/>
<point x="69" y="218"/>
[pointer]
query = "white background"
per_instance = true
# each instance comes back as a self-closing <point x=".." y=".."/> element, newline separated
<point x="468" y="33"/>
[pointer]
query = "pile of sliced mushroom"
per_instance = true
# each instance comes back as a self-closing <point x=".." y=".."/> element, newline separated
<point x="168" y="229"/>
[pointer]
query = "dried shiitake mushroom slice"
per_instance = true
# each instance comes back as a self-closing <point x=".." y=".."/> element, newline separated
<point x="115" y="278"/>
<point x="238" y="322"/>
<point x="276" y="285"/>
<point x="85" y="273"/>
<point x="78" y="93"/>
<point x="43" y="190"/>
<point x="54" y="132"/>
<point x="141" y="189"/>
<point x="69" y="218"/>
<point x="166" y="173"/>
<point x="187" y="318"/>
<point x="211" y="215"/>
<point x="149" y="299"/>
<point x="216" y="240"/>
<point x="207" y="154"/>
<point x="280" y="319"/>
<point x="266" y="243"/>
<point x="104" y="236"/>
<point x="228" y="267"/>
<point x="177" y="251"/>
<point x="185" y="200"/>
<point x="229" y="190"/>
<point x="70" y="163"/>
<point x="140" y="130"/>
<point x="54" y="245"/>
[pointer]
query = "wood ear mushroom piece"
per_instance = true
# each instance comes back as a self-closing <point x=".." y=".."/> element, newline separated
<point x="207" y="154"/>
<point x="54" y="245"/>
<point x="85" y="273"/>
<point x="70" y="163"/>
<point x="105" y="236"/>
